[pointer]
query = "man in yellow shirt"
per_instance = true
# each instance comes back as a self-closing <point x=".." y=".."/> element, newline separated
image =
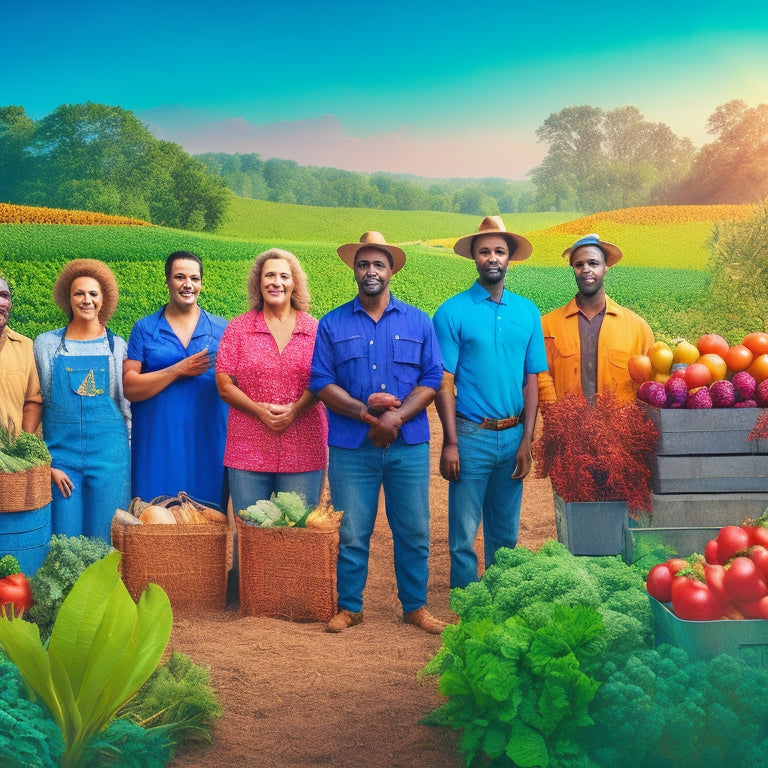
<point x="590" y="340"/>
<point x="20" y="400"/>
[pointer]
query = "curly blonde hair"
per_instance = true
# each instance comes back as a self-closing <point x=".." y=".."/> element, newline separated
<point x="299" y="298"/>
<point x="100" y="272"/>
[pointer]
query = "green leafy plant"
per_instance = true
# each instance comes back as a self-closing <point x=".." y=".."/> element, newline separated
<point x="177" y="698"/>
<point x="67" y="558"/>
<point x="102" y="649"/>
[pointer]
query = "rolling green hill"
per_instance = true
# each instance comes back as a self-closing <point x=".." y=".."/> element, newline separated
<point x="662" y="276"/>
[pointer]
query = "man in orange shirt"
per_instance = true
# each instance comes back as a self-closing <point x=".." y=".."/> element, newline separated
<point x="590" y="340"/>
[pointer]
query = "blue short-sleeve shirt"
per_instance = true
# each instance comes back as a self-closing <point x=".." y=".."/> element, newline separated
<point x="395" y="354"/>
<point x="489" y="348"/>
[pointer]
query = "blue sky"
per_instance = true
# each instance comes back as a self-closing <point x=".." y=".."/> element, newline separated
<point x="435" y="89"/>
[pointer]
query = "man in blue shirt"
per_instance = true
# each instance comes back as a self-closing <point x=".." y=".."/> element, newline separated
<point x="378" y="345"/>
<point x="493" y="349"/>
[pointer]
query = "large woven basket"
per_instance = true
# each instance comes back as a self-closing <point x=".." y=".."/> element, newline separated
<point x="287" y="573"/>
<point x="25" y="491"/>
<point x="189" y="561"/>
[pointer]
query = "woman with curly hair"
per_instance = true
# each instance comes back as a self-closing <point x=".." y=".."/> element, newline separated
<point x="277" y="431"/>
<point x="86" y="419"/>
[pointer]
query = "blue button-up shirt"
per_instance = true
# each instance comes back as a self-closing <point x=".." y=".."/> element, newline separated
<point x="395" y="354"/>
<point x="489" y="348"/>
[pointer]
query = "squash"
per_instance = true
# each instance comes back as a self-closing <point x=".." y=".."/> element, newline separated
<point x="154" y="514"/>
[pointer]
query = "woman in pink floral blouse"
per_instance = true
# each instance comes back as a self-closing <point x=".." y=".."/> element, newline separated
<point x="277" y="431"/>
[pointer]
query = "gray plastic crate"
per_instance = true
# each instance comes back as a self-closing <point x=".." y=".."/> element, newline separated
<point x="591" y="527"/>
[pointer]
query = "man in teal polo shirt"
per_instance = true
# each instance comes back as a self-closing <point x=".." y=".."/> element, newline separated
<point x="493" y="348"/>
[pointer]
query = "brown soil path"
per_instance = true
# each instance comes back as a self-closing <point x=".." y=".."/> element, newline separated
<point x="295" y="696"/>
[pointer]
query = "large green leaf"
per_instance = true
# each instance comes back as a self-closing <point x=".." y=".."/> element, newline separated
<point x="103" y="647"/>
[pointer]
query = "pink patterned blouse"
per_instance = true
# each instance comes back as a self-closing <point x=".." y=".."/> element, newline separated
<point x="249" y="353"/>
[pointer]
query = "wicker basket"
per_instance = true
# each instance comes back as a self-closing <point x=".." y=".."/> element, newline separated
<point x="24" y="491"/>
<point x="189" y="561"/>
<point x="287" y="573"/>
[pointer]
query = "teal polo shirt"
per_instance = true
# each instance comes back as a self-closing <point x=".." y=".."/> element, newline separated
<point x="489" y="348"/>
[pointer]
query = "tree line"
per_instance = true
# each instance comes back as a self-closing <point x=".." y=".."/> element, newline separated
<point x="285" y="181"/>
<point x="95" y="157"/>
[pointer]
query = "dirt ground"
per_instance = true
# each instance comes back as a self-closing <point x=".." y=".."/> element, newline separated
<point x="295" y="695"/>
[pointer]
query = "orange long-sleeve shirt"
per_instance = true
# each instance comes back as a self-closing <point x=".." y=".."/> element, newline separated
<point x="622" y="334"/>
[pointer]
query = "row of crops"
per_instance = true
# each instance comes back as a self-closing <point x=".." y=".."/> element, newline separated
<point x="662" y="277"/>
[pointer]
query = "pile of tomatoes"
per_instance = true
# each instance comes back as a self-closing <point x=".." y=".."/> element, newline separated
<point x="729" y="581"/>
<point x="711" y="359"/>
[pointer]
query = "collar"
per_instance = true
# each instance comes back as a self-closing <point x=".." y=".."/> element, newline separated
<point x="478" y="294"/>
<point x="394" y="305"/>
<point x="12" y="335"/>
<point x="303" y="323"/>
<point x="611" y="307"/>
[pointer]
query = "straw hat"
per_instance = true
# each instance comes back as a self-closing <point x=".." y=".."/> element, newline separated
<point x="100" y="272"/>
<point x="519" y="248"/>
<point x="372" y="239"/>
<point x="611" y="251"/>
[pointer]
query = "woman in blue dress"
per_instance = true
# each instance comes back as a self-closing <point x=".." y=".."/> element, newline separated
<point x="86" y="419"/>
<point x="179" y="421"/>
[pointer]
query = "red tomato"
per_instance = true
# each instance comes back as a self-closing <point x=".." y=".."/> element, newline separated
<point x="711" y="554"/>
<point x="753" y="609"/>
<point x="759" y="556"/>
<point x="712" y="344"/>
<point x="714" y="576"/>
<point x="738" y="358"/>
<point x="693" y="600"/>
<point x="730" y="540"/>
<point x="697" y="375"/>
<point x="758" y="535"/>
<point x="759" y="368"/>
<point x="15" y="589"/>
<point x="744" y="581"/>
<point x="659" y="583"/>
<point x="757" y="342"/>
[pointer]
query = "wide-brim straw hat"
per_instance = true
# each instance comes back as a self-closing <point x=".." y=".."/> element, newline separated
<point x="612" y="252"/>
<point x="373" y="239"/>
<point x="100" y="272"/>
<point x="519" y="248"/>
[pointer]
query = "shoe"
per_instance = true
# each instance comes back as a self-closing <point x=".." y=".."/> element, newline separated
<point x="423" y="619"/>
<point x="343" y="620"/>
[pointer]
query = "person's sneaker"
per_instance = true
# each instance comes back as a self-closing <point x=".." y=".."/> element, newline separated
<point x="423" y="619"/>
<point x="343" y="620"/>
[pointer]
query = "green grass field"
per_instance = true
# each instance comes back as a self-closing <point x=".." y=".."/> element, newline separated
<point x="663" y="274"/>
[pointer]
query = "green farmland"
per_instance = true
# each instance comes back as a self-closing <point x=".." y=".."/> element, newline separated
<point x="663" y="275"/>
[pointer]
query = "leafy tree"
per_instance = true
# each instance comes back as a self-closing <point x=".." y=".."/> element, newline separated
<point x="739" y="264"/>
<point x="600" y="160"/>
<point x="101" y="158"/>
<point x="734" y="167"/>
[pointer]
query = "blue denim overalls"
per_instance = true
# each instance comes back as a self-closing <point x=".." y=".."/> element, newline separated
<point x="88" y="439"/>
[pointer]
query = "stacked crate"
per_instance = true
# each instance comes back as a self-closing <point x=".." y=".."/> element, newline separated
<point x="705" y="472"/>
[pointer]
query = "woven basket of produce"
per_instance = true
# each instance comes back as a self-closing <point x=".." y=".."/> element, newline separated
<point x="289" y="572"/>
<point x="182" y="545"/>
<point x="27" y="490"/>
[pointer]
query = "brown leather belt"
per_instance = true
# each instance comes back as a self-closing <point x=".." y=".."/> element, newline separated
<point x="496" y="425"/>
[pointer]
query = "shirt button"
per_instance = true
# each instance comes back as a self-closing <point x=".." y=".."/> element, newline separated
<point x="371" y="341"/>
<point x="397" y="335"/>
<point x="374" y="366"/>
<point x="383" y="386"/>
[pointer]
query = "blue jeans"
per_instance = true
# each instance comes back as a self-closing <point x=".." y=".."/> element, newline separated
<point x="485" y="491"/>
<point x="355" y="477"/>
<point x="248" y="487"/>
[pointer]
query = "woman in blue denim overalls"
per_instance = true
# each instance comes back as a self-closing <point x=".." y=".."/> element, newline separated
<point x="86" y="419"/>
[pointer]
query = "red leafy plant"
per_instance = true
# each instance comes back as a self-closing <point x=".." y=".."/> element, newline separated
<point x="597" y="450"/>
